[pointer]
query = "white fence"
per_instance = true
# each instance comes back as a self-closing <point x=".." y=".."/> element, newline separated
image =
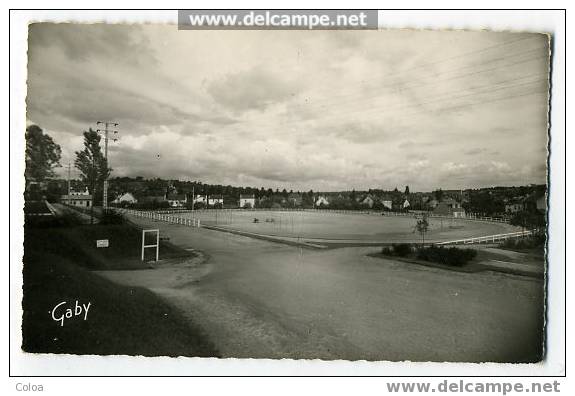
<point x="171" y="217"/>
<point x="465" y="217"/>
<point x="487" y="239"/>
<point x="168" y="218"/>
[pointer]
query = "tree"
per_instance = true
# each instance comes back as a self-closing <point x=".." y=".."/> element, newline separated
<point x="91" y="163"/>
<point x="438" y="195"/>
<point x="406" y="190"/>
<point x="422" y="226"/>
<point x="42" y="155"/>
<point x="534" y="221"/>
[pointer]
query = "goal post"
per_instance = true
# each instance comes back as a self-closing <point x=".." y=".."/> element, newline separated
<point x="156" y="245"/>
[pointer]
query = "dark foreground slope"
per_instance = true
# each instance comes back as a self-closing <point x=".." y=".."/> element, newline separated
<point x="121" y="320"/>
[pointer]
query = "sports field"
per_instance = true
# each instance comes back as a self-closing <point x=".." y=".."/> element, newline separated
<point x="338" y="226"/>
<point x="258" y="299"/>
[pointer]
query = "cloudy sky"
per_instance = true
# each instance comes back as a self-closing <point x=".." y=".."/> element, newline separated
<point x="323" y="110"/>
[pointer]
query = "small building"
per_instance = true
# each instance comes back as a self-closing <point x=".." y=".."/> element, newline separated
<point x="125" y="198"/>
<point x="367" y="201"/>
<point x="321" y="200"/>
<point x="176" y="200"/>
<point x="247" y="201"/>
<point x="79" y="198"/>
<point x="200" y="199"/>
<point x="449" y="207"/>
<point x="514" y="207"/>
<point x="216" y="200"/>
<point x="386" y="202"/>
<point x="405" y="204"/>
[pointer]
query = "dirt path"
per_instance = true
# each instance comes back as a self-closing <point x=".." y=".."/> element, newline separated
<point x="265" y="300"/>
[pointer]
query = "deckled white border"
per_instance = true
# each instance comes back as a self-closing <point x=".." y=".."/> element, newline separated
<point x="29" y="364"/>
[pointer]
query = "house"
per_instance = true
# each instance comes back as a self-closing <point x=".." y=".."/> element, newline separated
<point x="432" y="203"/>
<point x="200" y="199"/>
<point x="125" y="198"/>
<point x="514" y="206"/>
<point x="367" y="201"/>
<point x="386" y="202"/>
<point x="215" y="200"/>
<point x="321" y="201"/>
<point x="405" y="204"/>
<point x="83" y="199"/>
<point x="247" y="201"/>
<point x="176" y="200"/>
<point x="449" y="207"/>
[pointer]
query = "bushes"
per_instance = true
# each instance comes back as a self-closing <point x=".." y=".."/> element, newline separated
<point x="452" y="256"/>
<point x="397" y="249"/>
<point x="534" y="242"/>
<point x="402" y="249"/>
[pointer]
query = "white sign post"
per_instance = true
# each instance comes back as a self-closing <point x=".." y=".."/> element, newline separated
<point x="102" y="243"/>
<point x="157" y="245"/>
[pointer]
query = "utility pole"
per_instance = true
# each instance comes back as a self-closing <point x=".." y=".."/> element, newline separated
<point x="93" y="187"/>
<point x="106" y="131"/>
<point x="69" y="166"/>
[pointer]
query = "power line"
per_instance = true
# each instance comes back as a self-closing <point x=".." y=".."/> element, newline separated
<point x="487" y="87"/>
<point x="404" y="72"/>
<point x="499" y="59"/>
<point x="448" y="96"/>
<point x="465" y="54"/>
<point x="437" y="81"/>
<point x="365" y="98"/>
<point x="361" y="95"/>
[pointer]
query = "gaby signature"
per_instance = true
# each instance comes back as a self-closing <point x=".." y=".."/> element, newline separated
<point x="62" y="311"/>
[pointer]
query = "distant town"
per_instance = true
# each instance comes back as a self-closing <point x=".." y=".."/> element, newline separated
<point x="141" y="193"/>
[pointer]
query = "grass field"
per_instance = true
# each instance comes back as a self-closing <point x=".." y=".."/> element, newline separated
<point x="344" y="226"/>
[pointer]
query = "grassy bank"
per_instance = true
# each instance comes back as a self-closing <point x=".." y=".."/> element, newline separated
<point x="77" y="242"/>
<point x="121" y="320"/>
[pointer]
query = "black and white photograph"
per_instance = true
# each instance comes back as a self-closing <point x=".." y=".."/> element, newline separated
<point x="342" y="195"/>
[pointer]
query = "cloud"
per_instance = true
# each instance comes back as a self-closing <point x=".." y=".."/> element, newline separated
<point x="254" y="89"/>
<point x="82" y="101"/>
<point x="296" y="110"/>
<point x="121" y="43"/>
<point x="475" y="151"/>
<point x="358" y="132"/>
